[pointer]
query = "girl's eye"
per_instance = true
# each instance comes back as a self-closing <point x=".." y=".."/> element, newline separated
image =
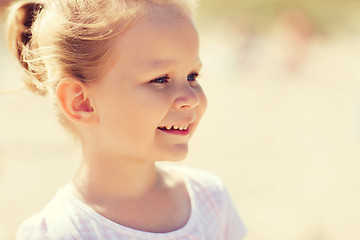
<point x="160" y="80"/>
<point x="192" y="77"/>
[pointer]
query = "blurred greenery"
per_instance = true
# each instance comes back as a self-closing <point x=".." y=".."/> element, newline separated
<point x="330" y="16"/>
<point x="326" y="16"/>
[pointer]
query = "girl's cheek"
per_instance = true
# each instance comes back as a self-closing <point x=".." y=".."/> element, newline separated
<point x="161" y="94"/>
<point x="156" y="100"/>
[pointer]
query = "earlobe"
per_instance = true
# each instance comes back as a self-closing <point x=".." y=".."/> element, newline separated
<point x="74" y="101"/>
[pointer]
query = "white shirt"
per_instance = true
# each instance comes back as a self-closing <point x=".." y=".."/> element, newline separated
<point x="213" y="217"/>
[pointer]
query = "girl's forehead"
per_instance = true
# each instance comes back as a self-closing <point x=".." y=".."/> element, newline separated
<point x="157" y="43"/>
<point x="151" y="34"/>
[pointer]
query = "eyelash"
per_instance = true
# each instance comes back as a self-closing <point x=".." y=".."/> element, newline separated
<point x="164" y="79"/>
<point x="161" y="80"/>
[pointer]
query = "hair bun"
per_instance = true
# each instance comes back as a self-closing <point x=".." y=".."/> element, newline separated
<point x="20" y="20"/>
<point x="21" y="17"/>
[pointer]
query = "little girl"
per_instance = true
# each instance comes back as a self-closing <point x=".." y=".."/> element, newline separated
<point x="123" y="75"/>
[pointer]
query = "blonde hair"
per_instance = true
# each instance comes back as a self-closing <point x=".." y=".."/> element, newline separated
<point x="53" y="39"/>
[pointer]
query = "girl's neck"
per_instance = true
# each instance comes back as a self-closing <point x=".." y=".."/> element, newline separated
<point x="102" y="179"/>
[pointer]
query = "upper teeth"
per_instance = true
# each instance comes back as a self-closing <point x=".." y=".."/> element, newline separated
<point x="177" y="127"/>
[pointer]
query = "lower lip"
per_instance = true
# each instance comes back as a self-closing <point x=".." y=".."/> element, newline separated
<point x="176" y="132"/>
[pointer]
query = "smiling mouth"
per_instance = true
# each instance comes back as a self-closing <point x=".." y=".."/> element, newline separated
<point x="176" y="129"/>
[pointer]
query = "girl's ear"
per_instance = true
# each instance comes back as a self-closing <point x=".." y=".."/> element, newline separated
<point x="74" y="101"/>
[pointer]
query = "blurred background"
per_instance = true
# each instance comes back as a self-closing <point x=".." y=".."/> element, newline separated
<point x="282" y="126"/>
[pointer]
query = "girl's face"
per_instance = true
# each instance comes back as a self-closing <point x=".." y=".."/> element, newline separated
<point x="150" y="87"/>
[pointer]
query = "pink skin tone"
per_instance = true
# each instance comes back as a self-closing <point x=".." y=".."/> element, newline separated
<point x="132" y="104"/>
<point x="150" y="85"/>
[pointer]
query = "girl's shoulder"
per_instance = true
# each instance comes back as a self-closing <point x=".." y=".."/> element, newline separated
<point x="32" y="228"/>
<point x="42" y="225"/>
<point x="212" y="204"/>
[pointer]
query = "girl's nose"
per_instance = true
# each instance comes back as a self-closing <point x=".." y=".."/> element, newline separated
<point x="187" y="99"/>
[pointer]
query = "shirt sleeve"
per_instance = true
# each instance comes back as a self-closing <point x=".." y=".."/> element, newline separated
<point x="234" y="227"/>
<point x="36" y="228"/>
<point x="33" y="228"/>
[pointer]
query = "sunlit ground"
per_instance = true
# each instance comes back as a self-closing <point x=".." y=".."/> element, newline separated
<point x="282" y="130"/>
